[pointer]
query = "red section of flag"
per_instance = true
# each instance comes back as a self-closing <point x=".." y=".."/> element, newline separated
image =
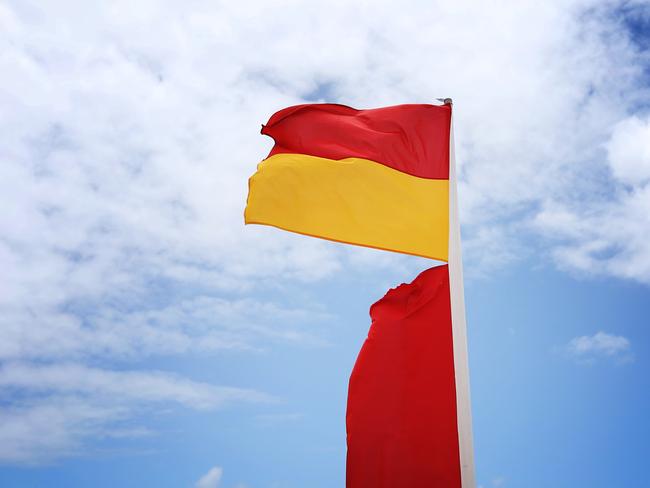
<point x="401" y="420"/>
<point x="413" y="139"/>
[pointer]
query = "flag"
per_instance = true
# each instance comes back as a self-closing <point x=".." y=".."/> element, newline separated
<point x="377" y="178"/>
<point x="385" y="178"/>
<point x="402" y="426"/>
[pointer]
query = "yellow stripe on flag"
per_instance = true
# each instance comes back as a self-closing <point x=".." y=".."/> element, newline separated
<point x="356" y="201"/>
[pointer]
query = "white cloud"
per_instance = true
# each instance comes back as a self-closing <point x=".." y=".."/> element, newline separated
<point x="498" y="481"/>
<point x="607" y="235"/>
<point x="41" y="432"/>
<point x="600" y="345"/>
<point x="629" y="151"/>
<point x="211" y="479"/>
<point x="278" y="419"/>
<point x="59" y="407"/>
<point x="128" y="132"/>
<point x="126" y="386"/>
<point x="193" y="324"/>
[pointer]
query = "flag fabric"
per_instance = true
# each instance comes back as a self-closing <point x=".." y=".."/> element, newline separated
<point x="401" y="420"/>
<point x="385" y="178"/>
<point x="377" y="178"/>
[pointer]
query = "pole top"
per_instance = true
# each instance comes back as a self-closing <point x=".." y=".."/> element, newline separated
<point x="446" y="101"/>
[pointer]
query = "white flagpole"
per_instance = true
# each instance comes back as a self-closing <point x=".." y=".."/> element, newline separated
<point x="459" y="327"/>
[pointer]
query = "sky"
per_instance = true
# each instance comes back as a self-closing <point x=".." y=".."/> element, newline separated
<point x="149" y="338"/>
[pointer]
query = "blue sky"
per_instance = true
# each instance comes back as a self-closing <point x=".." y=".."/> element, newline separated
<point x="150" y="339"/>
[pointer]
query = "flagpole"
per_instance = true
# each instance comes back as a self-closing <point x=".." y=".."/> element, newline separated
<point x="459" y="327"/>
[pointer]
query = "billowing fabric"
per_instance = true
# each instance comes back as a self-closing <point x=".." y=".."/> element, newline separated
<point x="401" y="416"/>
<point x="375" y="178"/>
<point x="413" y="139"/>
<point x="356" y="201"/>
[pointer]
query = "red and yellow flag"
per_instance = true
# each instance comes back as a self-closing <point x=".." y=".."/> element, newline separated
<point x="377" y="178"/>
<point x="381" y="178"/>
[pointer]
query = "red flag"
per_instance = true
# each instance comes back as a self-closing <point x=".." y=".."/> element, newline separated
<point x="402" y="429"/>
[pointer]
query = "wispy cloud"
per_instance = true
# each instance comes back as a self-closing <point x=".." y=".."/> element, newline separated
<point x="125" y="386"/>
<point x="210" y="479"/>
<point x="278" y="419"/>
<point x="588" y="349"/>
<point x="52" y="410"/>
<point x="119" y="329"/>
<point x="608" y="236"/>
<point x="497" y="482"/>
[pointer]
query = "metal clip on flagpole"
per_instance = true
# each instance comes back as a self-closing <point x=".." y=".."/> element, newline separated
<point x="459" y="327"/>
